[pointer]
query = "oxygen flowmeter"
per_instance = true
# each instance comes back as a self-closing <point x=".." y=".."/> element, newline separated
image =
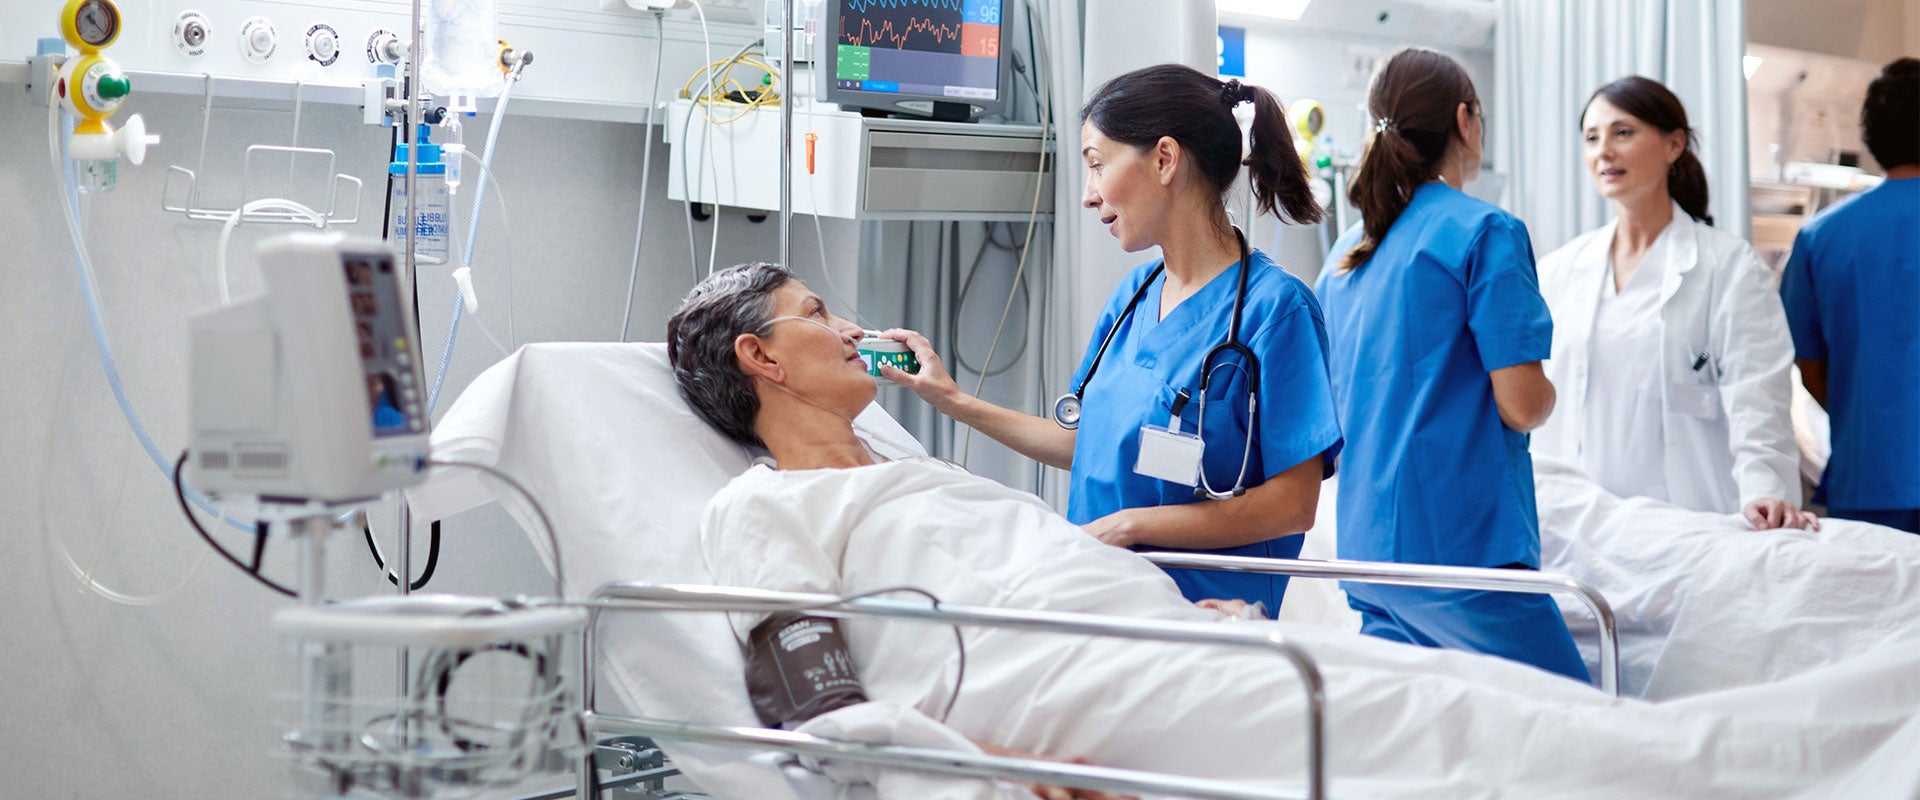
<point x="92" y="86"/>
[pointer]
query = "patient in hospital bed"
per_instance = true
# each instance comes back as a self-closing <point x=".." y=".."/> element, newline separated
<point x="761" y="359"/>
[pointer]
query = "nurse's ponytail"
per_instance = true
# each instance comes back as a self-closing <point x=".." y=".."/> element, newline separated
<point x="1413" y="98"/>
<point x="1652" y="102"/>
<point x="1197" y="111"/>
<point x="1274" y="169"/>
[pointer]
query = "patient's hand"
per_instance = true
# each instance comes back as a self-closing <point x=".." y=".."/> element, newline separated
<point x="1046" y="792"/>
<point x="1768" y="513"/>
<point x="1232" y="608"/>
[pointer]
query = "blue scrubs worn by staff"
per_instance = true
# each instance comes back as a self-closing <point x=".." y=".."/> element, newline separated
<point x="1431" y="475"/>
<point x="1151" y="361"/>
<point x="1852" y="292"/>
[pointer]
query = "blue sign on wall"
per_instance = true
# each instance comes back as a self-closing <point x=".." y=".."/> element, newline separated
<point x="1232" y="44"/>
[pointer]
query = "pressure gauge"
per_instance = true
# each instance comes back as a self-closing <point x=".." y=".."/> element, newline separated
<point x="90" y="25"/>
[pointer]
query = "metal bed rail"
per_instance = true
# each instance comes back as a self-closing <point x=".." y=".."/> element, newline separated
<point x="1428" y="576"/>
<point x="634" y="596"/>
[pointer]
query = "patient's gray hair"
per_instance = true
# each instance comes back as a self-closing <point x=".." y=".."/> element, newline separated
<point x="700" y="338"/>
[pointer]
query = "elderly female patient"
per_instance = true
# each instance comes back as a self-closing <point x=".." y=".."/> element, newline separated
<point x="763" y="360"/>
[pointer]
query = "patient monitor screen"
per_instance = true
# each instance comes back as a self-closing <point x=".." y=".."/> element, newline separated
<point x="388" y="362"/>
<point x="929" y="48"/>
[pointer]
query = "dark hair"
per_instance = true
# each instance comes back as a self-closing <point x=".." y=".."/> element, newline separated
<point x="700" y="338"/>
<point x="1196" y="109"/>
<point x="1652" y="102"/>
<point x="1413" y="95"/>
<point x="1890" y="118"/>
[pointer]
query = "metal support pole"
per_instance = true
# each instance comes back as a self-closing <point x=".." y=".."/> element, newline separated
<point x="786" y="136"/>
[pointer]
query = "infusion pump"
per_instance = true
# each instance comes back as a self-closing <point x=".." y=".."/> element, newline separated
<point x="312" y="391"/>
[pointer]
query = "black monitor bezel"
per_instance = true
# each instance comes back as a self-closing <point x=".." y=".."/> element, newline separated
<point x="827" y="62"/>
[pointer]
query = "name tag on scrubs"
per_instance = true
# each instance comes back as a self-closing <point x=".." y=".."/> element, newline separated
<point x="1169" y="456"/>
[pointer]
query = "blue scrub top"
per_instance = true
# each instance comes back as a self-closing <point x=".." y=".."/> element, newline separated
<point x="1431" y="475"/>
<point x="1152" y="359"/>
<point x="1851" y="289"/>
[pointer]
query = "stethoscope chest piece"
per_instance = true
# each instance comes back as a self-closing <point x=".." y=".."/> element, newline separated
<point x="1066" y="411"/>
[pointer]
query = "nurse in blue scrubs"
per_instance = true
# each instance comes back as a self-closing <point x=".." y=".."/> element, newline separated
<point x="1161" y="146"/>
<point x="1851" y="288"/>
<point x="1438" y="332"/>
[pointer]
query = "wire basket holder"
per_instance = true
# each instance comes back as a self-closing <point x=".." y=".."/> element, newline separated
<point x="494" y="694"/>
<point x="190" y="201"/>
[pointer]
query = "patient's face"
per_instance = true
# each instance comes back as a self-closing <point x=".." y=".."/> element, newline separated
<point x="821" y="353"/>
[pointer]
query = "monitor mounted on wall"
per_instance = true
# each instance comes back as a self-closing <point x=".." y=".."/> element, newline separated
<point x="938" y="59"/>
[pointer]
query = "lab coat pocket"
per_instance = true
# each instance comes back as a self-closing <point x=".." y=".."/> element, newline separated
<point x="1694" y="399"/>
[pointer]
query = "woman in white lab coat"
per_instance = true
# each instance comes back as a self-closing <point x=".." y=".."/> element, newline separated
<point x="1670" y="349"/>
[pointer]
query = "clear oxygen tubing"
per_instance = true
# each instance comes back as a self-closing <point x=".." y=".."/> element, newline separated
<point x="233" y="221"/>
<point x="473" y="224"/>
<point x="646" y="168"/>
<point x="89" y="296"/>
<point x="506" y="236"/>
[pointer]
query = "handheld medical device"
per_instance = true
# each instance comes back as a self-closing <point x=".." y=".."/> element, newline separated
<point x="878" y="352"/>
<point x="1066" y="410"/>
<point x="312" y="391"/>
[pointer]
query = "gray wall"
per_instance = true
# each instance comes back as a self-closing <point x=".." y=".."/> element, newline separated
<point x="180" y="699"/>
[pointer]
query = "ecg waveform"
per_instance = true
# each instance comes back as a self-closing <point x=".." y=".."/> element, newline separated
<point x="871" y="34"/>
<point x="862" y="6"/>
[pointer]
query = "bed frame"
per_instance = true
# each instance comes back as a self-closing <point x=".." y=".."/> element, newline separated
<point x="627" y="597"/>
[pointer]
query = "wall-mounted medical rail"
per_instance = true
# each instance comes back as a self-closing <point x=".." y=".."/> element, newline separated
<point x="629" y="596"/>
<point x="1432" y="577"/>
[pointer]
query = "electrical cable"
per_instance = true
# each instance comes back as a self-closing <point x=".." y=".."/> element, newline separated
<point x="966" y="289"/>
<point x="553" y="538"/>
<point x="179" y="493"/>
<point x="426" y="574"/>
<point x="1044" y="65"/>
<point x="646" y="168"/>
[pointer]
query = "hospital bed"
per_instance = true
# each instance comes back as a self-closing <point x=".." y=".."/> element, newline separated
<point x="620" y="504"/>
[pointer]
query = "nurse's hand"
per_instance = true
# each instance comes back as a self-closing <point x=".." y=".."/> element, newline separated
<point x="932" y="383"/>
<point x="1117" y="529"/>
<point x="1768" y="513"/>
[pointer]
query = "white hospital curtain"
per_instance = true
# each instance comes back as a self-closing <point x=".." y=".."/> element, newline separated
<point x="1549" y="57"/>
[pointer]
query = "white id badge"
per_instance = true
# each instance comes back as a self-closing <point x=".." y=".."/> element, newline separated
<point x="1169" y="456"/>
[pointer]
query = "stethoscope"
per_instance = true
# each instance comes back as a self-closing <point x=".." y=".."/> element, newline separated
<point x="1066" y="410"/>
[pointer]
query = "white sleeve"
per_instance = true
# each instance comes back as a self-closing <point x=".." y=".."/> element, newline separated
<point x="1756" y="389"/>
<point x="753" y="536"/>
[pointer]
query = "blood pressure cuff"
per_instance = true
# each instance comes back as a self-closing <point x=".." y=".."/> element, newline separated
<point x="799" y="667"/>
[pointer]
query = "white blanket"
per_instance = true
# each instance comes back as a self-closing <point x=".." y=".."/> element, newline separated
<point x="1705" y="602"/>
<point x="1405" y="721"/>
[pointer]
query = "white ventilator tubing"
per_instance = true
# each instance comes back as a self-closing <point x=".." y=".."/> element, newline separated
<point x="89" y="295"/>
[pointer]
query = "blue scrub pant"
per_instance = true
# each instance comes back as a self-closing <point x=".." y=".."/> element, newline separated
<point x="1906" y="519"/>
<point x="1267" y="590"/>
<point x="1520" y="627"/>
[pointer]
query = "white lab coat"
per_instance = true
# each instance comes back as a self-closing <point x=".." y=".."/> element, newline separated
<point x="1729" y="436"/>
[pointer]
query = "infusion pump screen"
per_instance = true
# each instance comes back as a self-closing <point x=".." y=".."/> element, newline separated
<point x="936" y="48"/>
<point x="387" y="356"/>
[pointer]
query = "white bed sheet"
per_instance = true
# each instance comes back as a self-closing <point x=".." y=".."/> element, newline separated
<point x="601" y="436"/>
<point x="1404" y="721"/>
<point x="599" y="432"/>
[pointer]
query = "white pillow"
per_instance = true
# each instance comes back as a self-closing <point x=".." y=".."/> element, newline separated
<point x="624" y="468"/>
